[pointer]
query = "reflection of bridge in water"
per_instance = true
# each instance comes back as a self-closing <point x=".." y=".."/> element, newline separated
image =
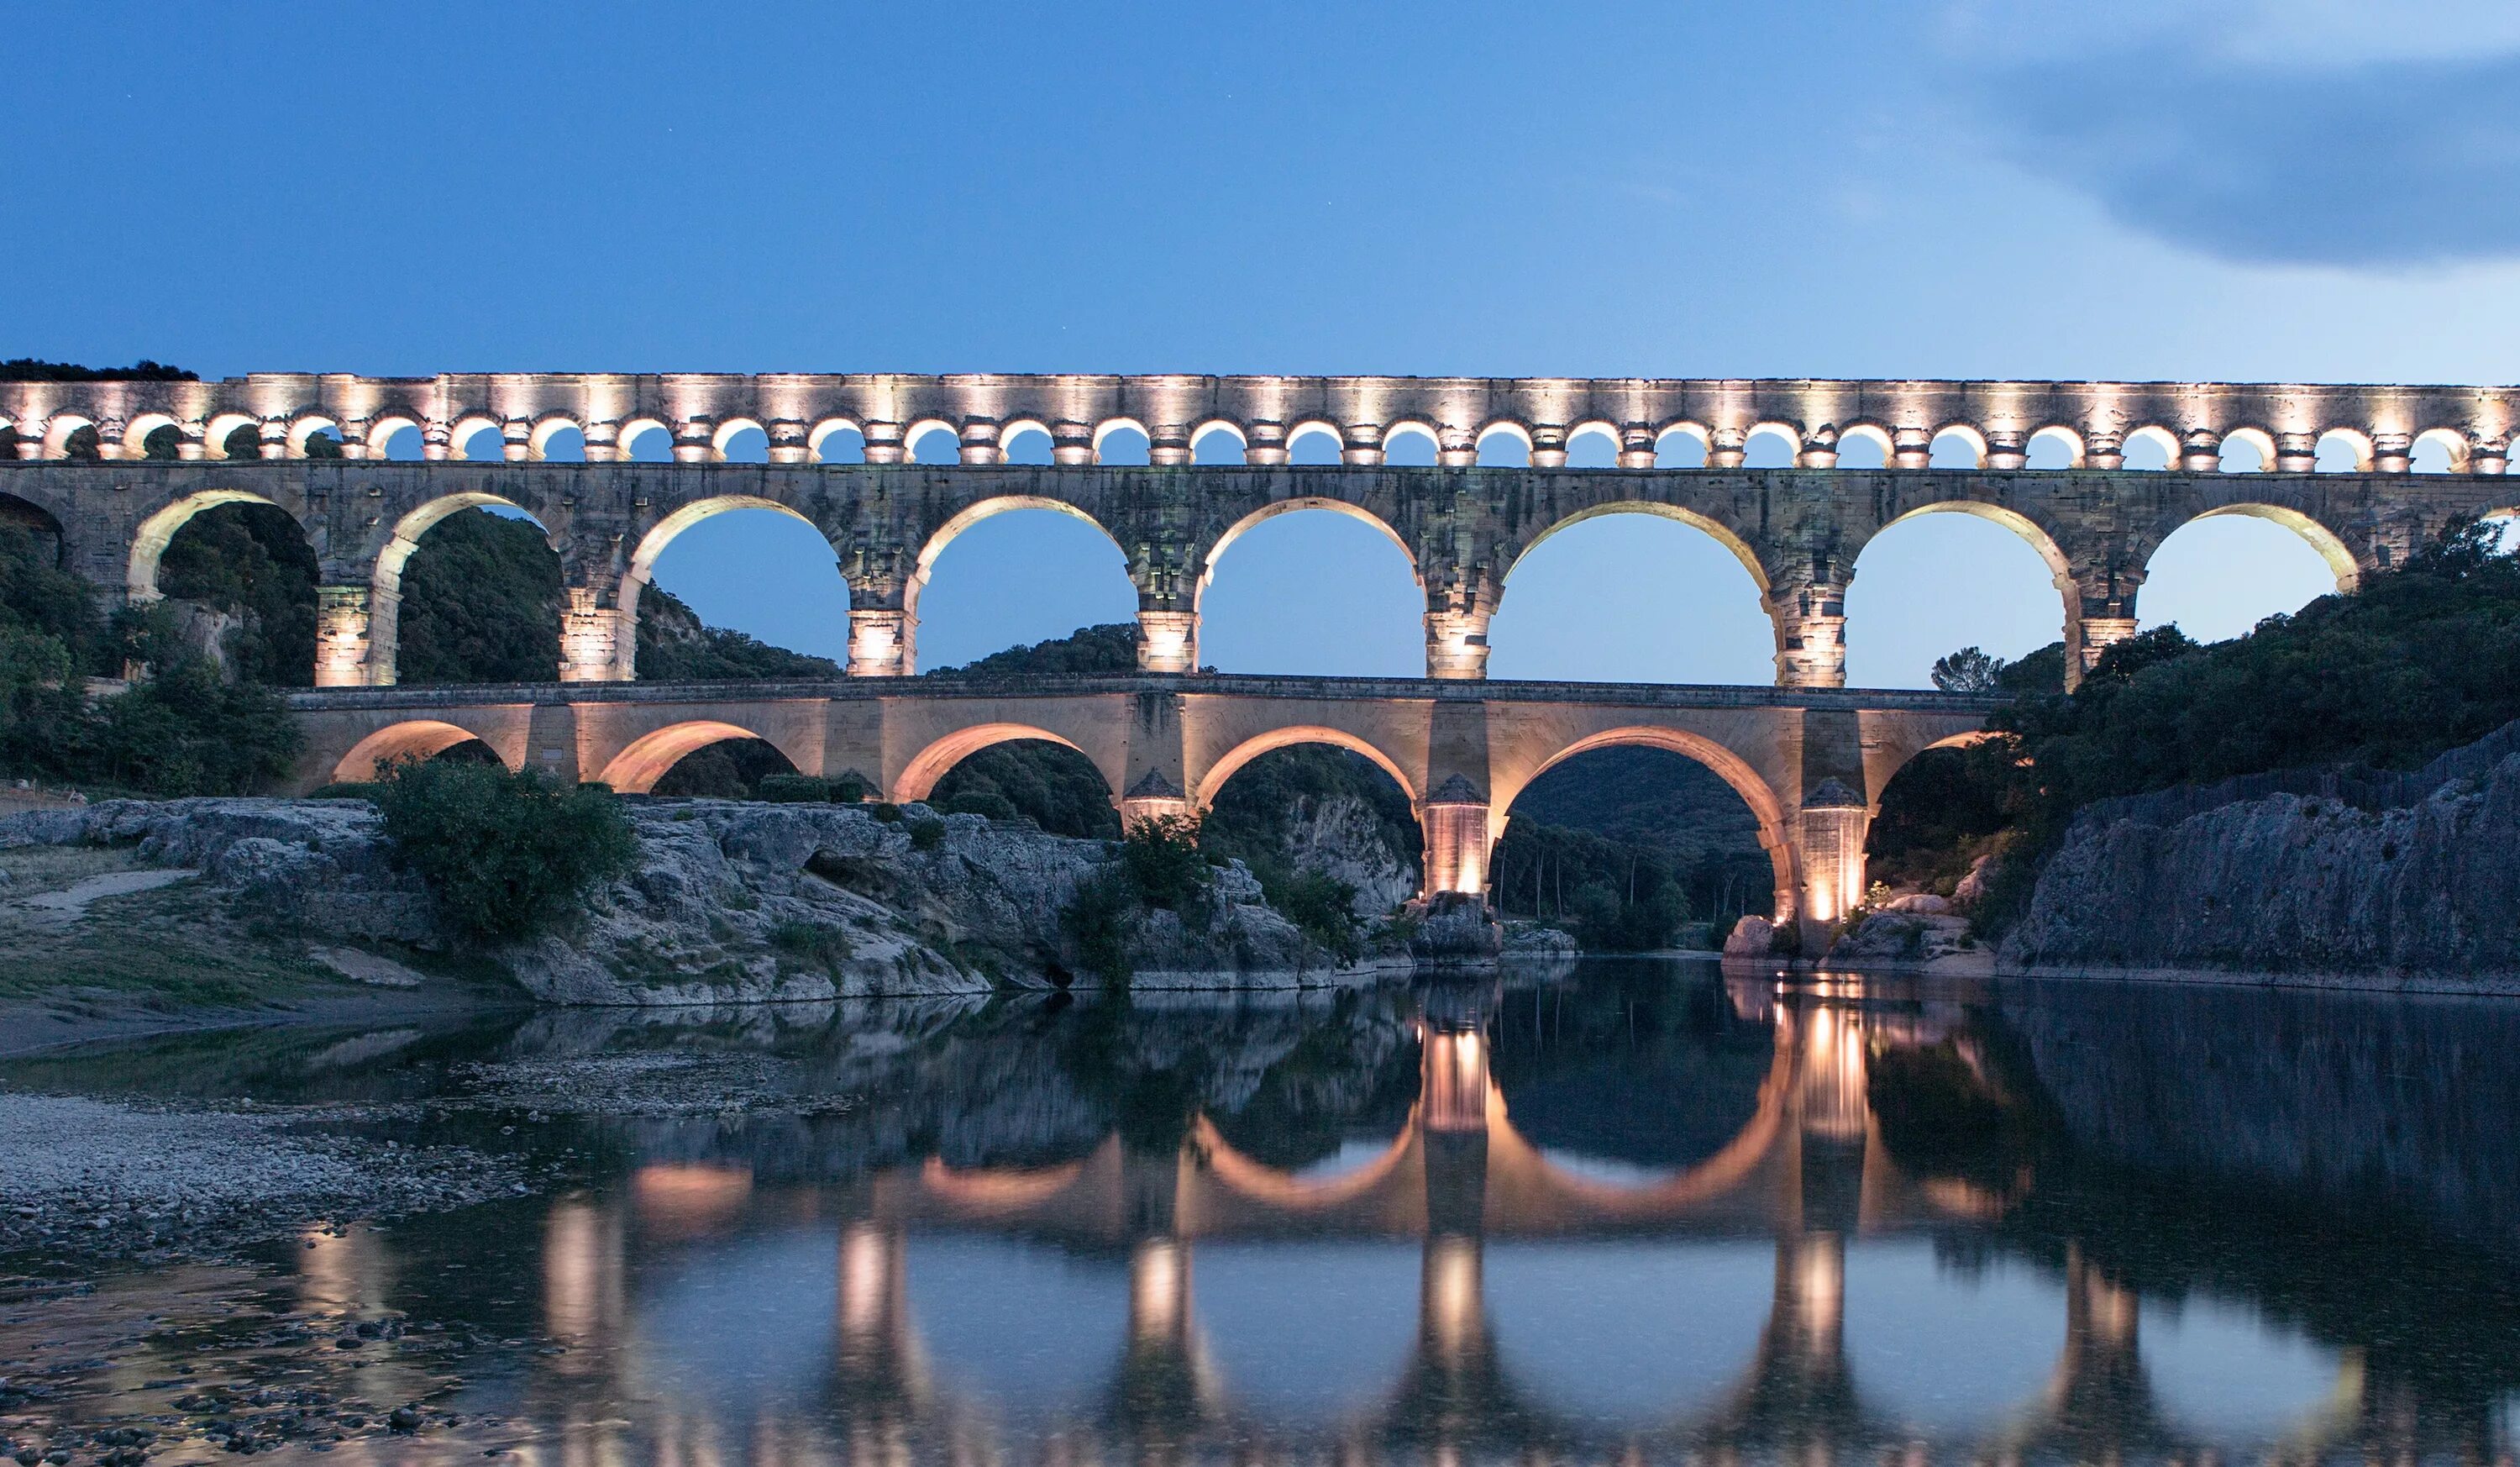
<point x="1806" y="1166"/>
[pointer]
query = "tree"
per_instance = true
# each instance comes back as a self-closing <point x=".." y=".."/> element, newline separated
<point x="505" y="855"/>
<point x="481" y="603"/>
<point x="1968" y="670"/>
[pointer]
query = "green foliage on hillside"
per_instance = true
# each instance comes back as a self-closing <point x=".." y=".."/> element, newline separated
<point x="676" y="646"/>
<point x="1108" y="648"/>
<point x="729" y="769"/>
<point x="1258" y="807"/>
<point x="481" y="603"/>
<point x="2423" y="658"/>
<point x="1614" y="896"/>
<point x="28" y="369"/>
<point x="1052" y="785"/>
<point x="506" y="856"/>
<point x="1160" y="867"/>
<point x="251" y="560"/>
<point x="1592" y="822"/>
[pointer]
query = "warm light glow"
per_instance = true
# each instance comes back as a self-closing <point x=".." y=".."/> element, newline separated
<point x="1159" y="1289"/>
<point x="1456" y="1081"/>
<point x="866" y="1279"/>
<point x="1451" y="1296"/>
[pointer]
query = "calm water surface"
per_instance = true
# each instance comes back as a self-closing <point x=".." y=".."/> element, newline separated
<point x="1646" y="1211"/>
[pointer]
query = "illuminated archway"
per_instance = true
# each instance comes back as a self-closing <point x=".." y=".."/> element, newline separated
<point x="2218" y="578"/>
<point x="1894" y="634"/>
<point x="1594" y="606"/>
<point x="417" y="739"/>
<point x="1765" y="806"/>
<point x="150" y="541"/>
<point x="1217" y="773"/>
<point x="1035" y="581"/>
<point x="1312" y="596"/>
<point x="636" y="769"/>
<point x="918" y="777"/>
<point x="386" y="584"/>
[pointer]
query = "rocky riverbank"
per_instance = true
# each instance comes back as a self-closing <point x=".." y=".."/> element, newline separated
<point x="2405" y="881"/>
<point x="731" y="902"/>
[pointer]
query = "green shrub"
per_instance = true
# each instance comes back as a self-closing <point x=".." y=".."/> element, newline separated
<point x="506" y="856"/>
<point x="1163" y="863"/>
<point x="848" y="789"/>
<point x="792" y="789"/>
<point x="926" y="835"/>
<point x="888" y="813"/>
<point x="812" y="945"/>
<point x="1320" y="904"/>
<point x="1100" y="921"/>
<point x="346" y="788"/>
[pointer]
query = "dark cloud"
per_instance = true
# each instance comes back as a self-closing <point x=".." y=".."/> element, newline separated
<point x="2403" y="165"/>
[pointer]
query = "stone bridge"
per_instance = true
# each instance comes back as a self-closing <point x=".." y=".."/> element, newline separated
<point x="1810" y="763"/>
<point x="2047" y="460"/>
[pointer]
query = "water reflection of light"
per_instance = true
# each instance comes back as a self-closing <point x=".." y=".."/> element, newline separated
<point x="1608" y="1171"/>
<point x="1944" y="1349"/>
<point x="740" y="1326"/>
<point x="1306" y="1334"/>
<point x="1834" y="1073"/>
<point x="1159" y="1289"/>
<point x="1628" y="1335"/>
<point x="680" y="1200"/>
<point x="1352" y="1156"/>
<point x="1033" y="1330"/>
<point x="2224" y="1370"/>
<point x="1455" y="1083"/>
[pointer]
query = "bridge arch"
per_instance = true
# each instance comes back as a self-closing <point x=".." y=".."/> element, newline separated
<point x="2257" y="441"/>
<point x="1213" y="780"/>
<point x="943" y="535"/>
<point x="469" y="432"/>
<point x="1724" y="534"/>
<point x="1776" y="835"/>
<point x="386" y="427"/>
<point x="1872" y="436"/>
<point x="917" y="778"/>
<point x="2069" y="442"/>
<point x="644" y="759"/>
<point x="818" y="439"/>
<point x="135" y="433"/>
<point x="411" y="739"/>
<point x="538" y="438"/>
<point x="2331" y="549"/>
<point x="150" y="541"/>
<point x="1270" y="511"/>
<point x="651" y="546"/>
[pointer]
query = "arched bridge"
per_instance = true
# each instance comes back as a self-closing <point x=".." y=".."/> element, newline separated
<point x="1810" y="763"/>
<point x="2047" y="460"/>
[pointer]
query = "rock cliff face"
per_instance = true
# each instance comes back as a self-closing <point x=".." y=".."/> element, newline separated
<point x="2422" y="888"/>
<point x="731" y="902"/>
<point x="1341" y="836"/>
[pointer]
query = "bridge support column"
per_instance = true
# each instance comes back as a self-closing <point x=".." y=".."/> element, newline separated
<point x="342" y="637"/>
<point x="1809" y="614"/>
<point x="1456" y="644"/>
<point x="1154" y="798"/>
<point x="1167" y="641"/>
<point x="1833" y="824"/>
<point x="2104" y="616"/>
<point x="882" y="643"/>
<point x="596" y="641"/>
<point x="1455" y="819"/>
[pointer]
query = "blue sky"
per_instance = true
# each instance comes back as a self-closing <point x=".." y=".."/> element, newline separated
<point x="2303" y="190"/>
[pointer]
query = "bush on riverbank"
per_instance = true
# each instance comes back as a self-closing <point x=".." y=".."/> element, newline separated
<point x="506" y="856"/>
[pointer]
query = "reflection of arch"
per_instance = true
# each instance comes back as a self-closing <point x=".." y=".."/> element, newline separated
<point x="1729" y="766"/>
<point x="636" y="769"/>
<point x="917" y="778"/>
<point x="418" y="739"/>
<point x="1722" y="532"/>
<point x="1713" y="1177"/>
<point x="1268" y="1184"/>
<point x="1285" y="738"/>
<point x="1216" y="552"/>
<point x="2340" y="560"/>
<point x="973" y="514"/>
<point x="149" y="543"/>
<point x="997" y="1189"/>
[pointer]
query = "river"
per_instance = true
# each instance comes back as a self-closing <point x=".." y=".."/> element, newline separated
<point x="1641" y="1212"/>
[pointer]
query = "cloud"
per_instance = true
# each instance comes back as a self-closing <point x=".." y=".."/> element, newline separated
<point x="2410" y="162"/>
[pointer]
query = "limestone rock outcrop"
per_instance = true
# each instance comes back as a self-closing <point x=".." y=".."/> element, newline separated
<point x="731" y="902"/>
<point x="2420" y="884"/>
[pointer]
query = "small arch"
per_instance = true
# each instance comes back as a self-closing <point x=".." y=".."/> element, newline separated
<point x="917" y="778"/>
<point x="1864" y="445"/>
<point x="1219" y="442"/>
<point x="1127" y="450"/>
<point x="214" y="442"/>
<point x="150" y="541"/>
<point x="1771" y="445"/>
<point x="415" y="739"/>
<point x="1314" y="441"/>
<point x="922" y="439"/>
<point x="837" y="440"/>
<point x="1957" y="445"/>
<point x="636" y="769"/>
<point x="303" y="429"/>
<point x="2343" y="450"/>
<point x="2054" y="446"/>
<point x="721" y="441"/>
<point x="1411" y="445"/>
<point x="1505" y="443"/>
<point x="2257" y="441"/>
<point x="393" y="436"/>
<point x="1680" y="445"/>
<point x="544" y="436"/>
<point x="1592" y="444"/>
<point x="135" y="434"/>
<point x="2152" y="448"/>
<point x="1213" y="780"/>
<point x="2438" y="450"/>
<point x="467" y="440"/>
<point x="1026" y="441"/>
<point x="646" y="440"/>
<point x="1731" y="767"/>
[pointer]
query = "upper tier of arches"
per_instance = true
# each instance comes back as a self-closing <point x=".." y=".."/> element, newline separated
<point x="1544" y="421"/>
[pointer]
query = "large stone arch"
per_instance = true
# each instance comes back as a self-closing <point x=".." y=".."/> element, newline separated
<point x="653" y="544"/>
<point x="2037" y="536"/>
<point x="1767" y="806"/>
<point x="384" y="577"/>
<point x="1725" y="534"/>
<point x="938" y="539"/>
<point x="1216" y="548"/>
<point x="918" y="775"/>
<point x="149" y="542"/>
<point x="2331" y="546"/>
<point x="419" y="738"/>
<point x="1211" y="780"/>
<point x="33" y="517"/>
<point x="644" y="759"/>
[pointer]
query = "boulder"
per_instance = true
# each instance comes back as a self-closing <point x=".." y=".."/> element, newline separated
<point x="1923" y="903"/>
<point x="1750" y="938"/>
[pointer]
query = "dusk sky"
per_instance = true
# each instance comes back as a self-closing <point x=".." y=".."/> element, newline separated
<point x="2291" y="190"/>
